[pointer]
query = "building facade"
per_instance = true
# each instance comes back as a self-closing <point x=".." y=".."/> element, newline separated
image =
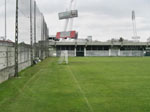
<point x="96" y="48"/>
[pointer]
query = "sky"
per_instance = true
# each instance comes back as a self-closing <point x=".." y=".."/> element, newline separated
<point x="102" y="19"/>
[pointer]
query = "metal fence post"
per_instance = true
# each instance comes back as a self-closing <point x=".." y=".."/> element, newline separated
<point x="35" y="52"/>
<point x="16" y="41"/>
<point x="31" y="41"/>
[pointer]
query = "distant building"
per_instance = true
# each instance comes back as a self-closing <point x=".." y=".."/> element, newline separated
<point x="114" y="47"/>
<point x="52" y="38"/>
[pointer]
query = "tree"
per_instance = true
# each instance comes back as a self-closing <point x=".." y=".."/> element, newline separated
<point x="121" y="39"/>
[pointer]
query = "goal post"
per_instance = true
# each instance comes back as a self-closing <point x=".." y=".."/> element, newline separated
<point x="63" y="57"/>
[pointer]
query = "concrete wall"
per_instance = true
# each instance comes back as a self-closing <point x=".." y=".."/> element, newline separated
<point x="97" y="53"/>
<point x="7" y="59"/>
<point x="115" y="53"/>
<point x="131" y="53"/>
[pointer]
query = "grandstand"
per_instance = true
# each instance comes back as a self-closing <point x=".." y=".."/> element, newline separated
<point x="97" y="48"/>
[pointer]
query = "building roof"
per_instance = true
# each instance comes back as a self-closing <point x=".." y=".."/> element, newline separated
<point x="101" y="43"/>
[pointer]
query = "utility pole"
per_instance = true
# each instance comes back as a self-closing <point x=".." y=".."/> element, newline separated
<point x="16" y="41"/>
<point x="5" y="20"/>
<point x="31" y="39"/>
<point x="35" y="54"/>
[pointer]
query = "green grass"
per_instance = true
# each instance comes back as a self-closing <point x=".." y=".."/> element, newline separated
<point x="98" y="84"/>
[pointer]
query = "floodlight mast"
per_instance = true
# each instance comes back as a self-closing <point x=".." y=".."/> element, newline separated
<point x="134" y="24"/>
<point x="68" y="16"/>
<point x="66" y="24"/>
<point x="135" y="36"/>
<point x="71" y="19"/>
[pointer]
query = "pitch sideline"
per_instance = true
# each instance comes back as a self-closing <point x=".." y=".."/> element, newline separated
<point x="79" y="87"/>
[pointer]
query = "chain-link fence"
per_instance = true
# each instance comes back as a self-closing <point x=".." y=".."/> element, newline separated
<point x="32" y="35"/>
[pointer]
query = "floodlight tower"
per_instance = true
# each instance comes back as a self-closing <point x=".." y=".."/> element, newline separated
<point x="135" y="37"/>
<point x="68" y="16"/>
<point x="71" y="7"/>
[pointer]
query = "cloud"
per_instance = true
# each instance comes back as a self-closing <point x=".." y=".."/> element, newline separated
<point x="103" y="19"/>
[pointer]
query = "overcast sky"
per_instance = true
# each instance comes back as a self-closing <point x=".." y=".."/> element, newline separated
<point x="102" y="19"/>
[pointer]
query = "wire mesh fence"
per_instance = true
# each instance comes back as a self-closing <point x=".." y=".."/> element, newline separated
<point x="32" y="35"/>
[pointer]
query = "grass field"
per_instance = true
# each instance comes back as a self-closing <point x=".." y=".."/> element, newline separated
<point x="92" y="84"/>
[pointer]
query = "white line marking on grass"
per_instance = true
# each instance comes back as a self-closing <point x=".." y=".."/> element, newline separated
<point x="21" y="90"/>
<point x="82" y="92"/>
